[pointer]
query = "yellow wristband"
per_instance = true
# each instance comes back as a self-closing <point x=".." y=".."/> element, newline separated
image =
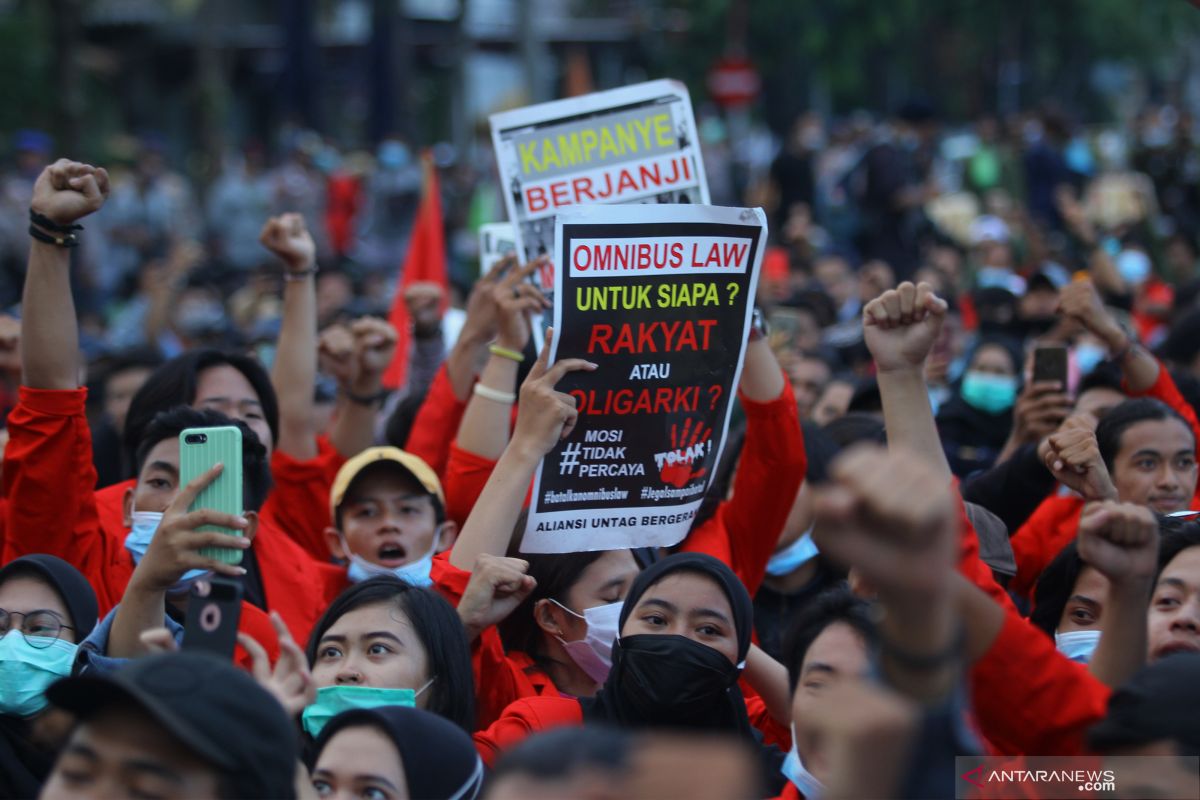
<point x="504" y="352"/>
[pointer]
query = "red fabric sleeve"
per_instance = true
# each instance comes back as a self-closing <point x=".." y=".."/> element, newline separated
<point x="746" y="528"/>
<point x="523" y="719"/>
<point x="1043" y="536"/>
<point x="49" y="480"/>
<point x="1029" y="699"/>
<point x="768" y="726"/>
<point x="436" y="423"/>
<point x="466" y="475"/>
<point x="1164" y="389"/>
<point x="299" y="501"/>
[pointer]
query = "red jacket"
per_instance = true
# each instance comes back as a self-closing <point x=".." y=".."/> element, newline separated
<point x="299" y="499"/>
<point x="532" y="715"/>
<point x="1029" y="699"/>
<point x="50" y="445"/>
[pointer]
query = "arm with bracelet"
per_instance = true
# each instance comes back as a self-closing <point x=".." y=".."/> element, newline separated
<point x="484" y="430"/>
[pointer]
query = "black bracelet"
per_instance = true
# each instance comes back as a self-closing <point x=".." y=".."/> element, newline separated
<point x="366" y="399"/>
<point x="43" y="221"/>
<point x="68" y="241"/>
<point x="915" y="662"/>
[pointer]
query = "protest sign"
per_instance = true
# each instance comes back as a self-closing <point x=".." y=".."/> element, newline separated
<point x="636" y="144"/>
<point x="660" y="298"/>
<point x="496" y="240"/>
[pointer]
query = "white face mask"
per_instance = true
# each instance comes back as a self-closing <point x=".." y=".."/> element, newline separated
<point x="416" y="572"/>
<point x="1077" y="645"/>
<point x="593" y="653"/>
<point x="145" y="525"/>
<point x="795" y="771"/>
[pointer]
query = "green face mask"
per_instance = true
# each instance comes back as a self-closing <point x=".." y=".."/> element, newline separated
<point x="27" y="670"/>
<point x="333" y="700"/>
<point x="989" y="393"/>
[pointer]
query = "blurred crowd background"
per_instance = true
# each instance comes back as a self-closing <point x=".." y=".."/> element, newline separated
<point x="995" y="148"/>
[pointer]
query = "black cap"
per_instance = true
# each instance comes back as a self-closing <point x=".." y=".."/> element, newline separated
<point x="76" y="593"/>
<point x="1162" y="701"/>
<point x="219" y="712"/>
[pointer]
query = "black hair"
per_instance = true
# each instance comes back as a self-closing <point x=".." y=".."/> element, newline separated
<point x="559" y="753"/>
<point x="452" y="693"/>
<point x="856" y="427"/>
<point x="106" y="368"/>
<point x="838" y="604"/>
<point x="555" y="574"/>
<point x="866" y="398"/>
<point x="1106" y="375"/>
<point x="400" y="422"/>
<point x="1112" y="428"/>
<point x="256" y="466"/>
<point x="1176" y="537"/>
<point x="1054" y="588"/>
<point x="820" y="449"/>
<point x="174" y="384"/>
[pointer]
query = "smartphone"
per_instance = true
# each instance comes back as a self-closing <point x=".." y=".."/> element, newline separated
<point x="214" y="610"/>
<point x="1050" y="364"/>
<point x="200" y="449"/>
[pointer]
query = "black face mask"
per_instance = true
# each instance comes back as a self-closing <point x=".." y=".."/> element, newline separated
<point x="670" y="680"/>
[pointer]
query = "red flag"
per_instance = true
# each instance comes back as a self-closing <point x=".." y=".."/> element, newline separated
<point x="425" y="261"/>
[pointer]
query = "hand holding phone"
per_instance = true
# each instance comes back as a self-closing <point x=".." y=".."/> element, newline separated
<point x="214" y="610"/>
<point x="200" y="449"/>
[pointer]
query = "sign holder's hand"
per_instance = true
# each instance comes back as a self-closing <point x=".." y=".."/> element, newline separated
<point x="545" y="415"/>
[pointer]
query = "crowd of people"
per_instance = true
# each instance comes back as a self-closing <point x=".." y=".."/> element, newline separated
<point x="914" y="547"/>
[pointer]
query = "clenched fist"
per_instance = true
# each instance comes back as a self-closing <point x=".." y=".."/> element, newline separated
<point x="69" y="190"/>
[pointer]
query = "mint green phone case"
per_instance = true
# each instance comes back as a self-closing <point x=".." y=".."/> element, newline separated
<point x="199" y="450"/>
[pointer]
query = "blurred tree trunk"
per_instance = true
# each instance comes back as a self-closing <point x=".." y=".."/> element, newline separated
<point x="212" y="87"/>
<point x="68" y="80"/>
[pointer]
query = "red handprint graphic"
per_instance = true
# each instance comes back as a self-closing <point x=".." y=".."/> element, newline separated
<point x="675" y="467"/>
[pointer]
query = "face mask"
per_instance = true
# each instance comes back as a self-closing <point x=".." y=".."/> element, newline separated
<point x="794" y="556"/>
<point x="1088" y="357"/>
<point x="794" y="770"/>
<point x="989" y="393"/>
<point x="593" y="653"/>
<point x="416" y="573"/>
<point x="672" y="679"/>
<point x="1077" y="645"/>
<point x="333" y="700"/>
<point x="27" y="671"/>
<point x="1134" y="266"/>
<point x="145" y="523"/>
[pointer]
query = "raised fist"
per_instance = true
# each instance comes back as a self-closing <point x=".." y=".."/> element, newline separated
<point x="287" y="237"/>
<point x="69" y="190"/>
<point x="1073" y="456"/>
<point x="1120" y="540"/>
<point x="901" y="325"/>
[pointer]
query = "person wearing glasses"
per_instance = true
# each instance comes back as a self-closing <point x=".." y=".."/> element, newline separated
<point x="46" y="608"/>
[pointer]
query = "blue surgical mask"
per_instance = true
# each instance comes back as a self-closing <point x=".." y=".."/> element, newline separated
<point x="145" y="524"/>
<point x="1077" y="645"/>
<point x="333" y="700"/>
<point x="417" y="573"/>
<point x="989" y="393"/>
<point x="1088" y="357"/>
<point x="794" y="556"/>
<point x="27" y="671"/>
<point x="794" y="770"/>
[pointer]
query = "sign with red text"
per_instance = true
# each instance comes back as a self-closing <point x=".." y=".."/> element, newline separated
<point x="660" y="298"/>
<point x="636" y="144"/>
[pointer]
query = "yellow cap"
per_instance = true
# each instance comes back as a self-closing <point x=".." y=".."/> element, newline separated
<point x="421" y="471"/>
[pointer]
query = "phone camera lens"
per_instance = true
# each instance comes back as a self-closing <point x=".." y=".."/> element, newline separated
<point x="195" y="438"/>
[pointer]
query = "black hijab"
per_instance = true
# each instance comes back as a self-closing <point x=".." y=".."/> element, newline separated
<point x="620" y="700"/>
<point x="23" y="764"/>
<point x="439" y="759"/>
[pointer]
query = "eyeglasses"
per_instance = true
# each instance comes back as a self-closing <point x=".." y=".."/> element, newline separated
<point x="39" y="628"/>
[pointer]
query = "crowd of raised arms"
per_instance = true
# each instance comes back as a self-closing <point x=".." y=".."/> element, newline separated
<point x="912" y="549"/>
